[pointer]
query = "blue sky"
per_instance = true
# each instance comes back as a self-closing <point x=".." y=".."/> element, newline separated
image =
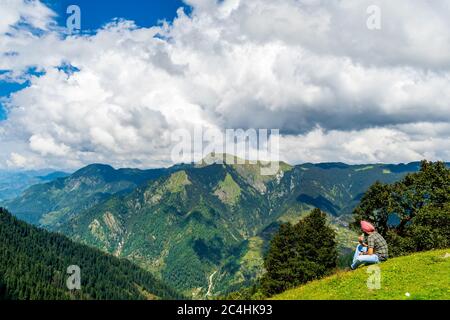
<point x="6" y="89"/>
<point x="95" y="14"/>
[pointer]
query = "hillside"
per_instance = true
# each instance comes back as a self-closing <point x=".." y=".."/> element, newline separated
<point x="423" y="275"/>
<point x="33" y="265"/>
<point x="53" y="203"/>
<point x="185" y="226"/>
<point x="202" y="228"/>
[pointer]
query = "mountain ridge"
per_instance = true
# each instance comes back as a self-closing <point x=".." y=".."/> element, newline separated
<point x="62" y="197"/>
<point x="13" y="183"/>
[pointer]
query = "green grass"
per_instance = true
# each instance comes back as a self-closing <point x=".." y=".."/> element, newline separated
<point x="253" y="259"/>
<point x="177" y="182"/>
<point x="228" y="190"/>
<point x="424" y="276"/>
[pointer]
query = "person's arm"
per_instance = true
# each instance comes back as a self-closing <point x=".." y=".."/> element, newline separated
<point x="371" y="245"/>
<point x="361" y="241"/>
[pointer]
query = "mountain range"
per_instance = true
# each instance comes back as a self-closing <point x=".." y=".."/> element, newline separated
<point x="202" y="229"/>
<point x="13" y="183"/>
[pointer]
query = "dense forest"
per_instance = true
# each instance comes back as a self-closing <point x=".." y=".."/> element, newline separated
<point x="34" y="262"/>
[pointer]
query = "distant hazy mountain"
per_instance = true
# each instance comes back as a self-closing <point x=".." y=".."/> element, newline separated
<point x="202" y="228"/>
<point x="53" y="203"/>
<point x="34" y="262"/>
<point x="13" y="183"/>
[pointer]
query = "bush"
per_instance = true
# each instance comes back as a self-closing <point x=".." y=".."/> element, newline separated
<point x="430" y="229"/>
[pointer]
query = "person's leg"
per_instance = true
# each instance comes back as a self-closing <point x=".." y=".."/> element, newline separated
<point x="356" y="253"/>
<point x="365" y="259"/>
<point x="359" y="249"/>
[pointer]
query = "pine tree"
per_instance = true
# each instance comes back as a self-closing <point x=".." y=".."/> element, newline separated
<point x="33" y="263"/>
<point x="299" y="254"/>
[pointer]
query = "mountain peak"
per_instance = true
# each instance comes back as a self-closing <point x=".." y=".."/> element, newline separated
<point x="94" y="169"/>
<point x="221" y="158"/>
<point x="230" y="159"/>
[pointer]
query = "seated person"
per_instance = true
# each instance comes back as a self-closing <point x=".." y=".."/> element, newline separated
<point x="374" y="251"/>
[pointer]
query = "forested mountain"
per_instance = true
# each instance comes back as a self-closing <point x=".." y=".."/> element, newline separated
<point x="55" y="202"/>
<point x="33" y="265"/>
<point x="13" y="183"/>
<point x="202" y="228"/>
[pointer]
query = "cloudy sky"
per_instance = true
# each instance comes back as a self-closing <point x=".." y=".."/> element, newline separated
<point x="115" y="92"/>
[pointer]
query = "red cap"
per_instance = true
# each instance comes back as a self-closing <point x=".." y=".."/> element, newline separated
<point x="367" y="227"/>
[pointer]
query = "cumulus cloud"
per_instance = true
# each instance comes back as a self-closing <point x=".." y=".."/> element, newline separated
<point x="385" y="145"/>
<point x="32" y="13"/>
<point x="16" y="160"/>
<point x="336" y="90"/>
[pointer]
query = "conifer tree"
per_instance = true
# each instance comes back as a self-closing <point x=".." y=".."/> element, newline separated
<point x="299" y="253"/>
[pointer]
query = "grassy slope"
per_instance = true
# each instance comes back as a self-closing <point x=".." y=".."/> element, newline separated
<point x="423" y="275"/>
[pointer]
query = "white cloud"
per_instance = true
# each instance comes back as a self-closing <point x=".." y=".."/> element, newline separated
<point x="337" y="91"/>
<point x="386" y="145"/>
<point x="32" y="12"/>
<point x="16" y="161"/>
<point x="47" y="146"/>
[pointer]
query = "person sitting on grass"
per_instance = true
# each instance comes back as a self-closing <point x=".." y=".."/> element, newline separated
<point x="374" y="251"/>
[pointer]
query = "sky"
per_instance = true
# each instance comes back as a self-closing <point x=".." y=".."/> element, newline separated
<point x="353" y="81"/>
<point x="96" y="14"/>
